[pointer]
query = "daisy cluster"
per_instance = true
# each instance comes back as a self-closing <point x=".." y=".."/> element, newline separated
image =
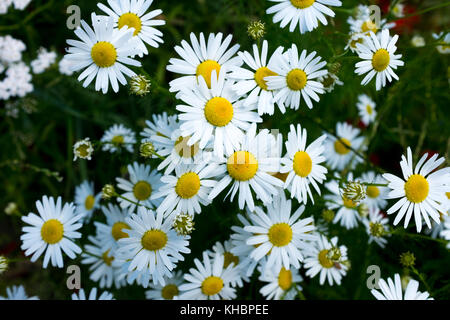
<point x="212" y="150"/>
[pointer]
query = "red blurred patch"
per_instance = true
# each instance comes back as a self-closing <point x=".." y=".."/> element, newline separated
<point x="361" y="125"/>
<point x="10" y="247"/>
<point x="374" y="158"/>
<point x="406" y="25"/>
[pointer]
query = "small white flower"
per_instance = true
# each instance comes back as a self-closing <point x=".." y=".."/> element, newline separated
<point x="366" y="107"/>
<point x="17" y="293"/>
<point x="86" y="201"/>
<point x="83" y="149"/>
<point x="52" y="231"/>
<point x="169" y="291"/>
<point x="118" y="137"/>
<point x="92" y="295"/>
<point x="282" y="284"/>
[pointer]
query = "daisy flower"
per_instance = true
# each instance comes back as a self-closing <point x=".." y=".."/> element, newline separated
<point x="282" y="284"/>
<point x="252" y="82"/>
<point x="422" y="191"/>
<point x="17" y="293"/>
<point x="303" y="164"/>
<point x="329" y="81"/>
<point x="241" y="249"/>
<point x="168" y="291"/>
<point x="307" y="13"/>
<point x="201" y="58"/>
<point x="249" y="167"/>
<point x="338" y="155"/>
<point x="133" y="14"/>
<point x="142" y="184"/>
<point x="327" y="258"/>
<point x="375" y="195"/>
<point x="113" y="230"/>
<point x="103" y="53"/>
<point x="364" y="25"/>
<point x="347" y="213"/>
<point x="117" y="137"/>
<point x="186" y="190"/>
<point x="104" y="268"/>
<point x="279" y="235"/>
<point x="392" y="290"/>
<point x="379" y="58"/>
<point x="366" y="108"/>
<point x="83" y="149"/>
<point x="295" y="78"/>
<point x="152" y="245"/>
<point x="92" y="295"/>
<point x="86" y="201"/>
<point x="376" y="227"/>
<point x="418" y="41"/>
<point x="353" y="39"/>
<point x="52" y="231"/>
<point x="210" y="280"/>
<point x="215" y="114"/>
<point x="225" y="249"/>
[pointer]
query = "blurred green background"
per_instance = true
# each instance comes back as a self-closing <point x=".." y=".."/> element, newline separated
<point x="412" y="112"/>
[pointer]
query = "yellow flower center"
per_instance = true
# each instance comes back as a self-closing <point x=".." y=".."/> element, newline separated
<point x="206" y="68"/>
<point x="416" y="188"/>
<point x="354" y="42"/>
<point x="184" y="150"/>
<point x="104" y="54"/>
<point x="350" y="204"/>
<point x="132" y="21"/>
<point x="369" y="109"/>
<point x="106" y="258"/>
<point x="52" y="231"/>
<point x="302" y="164"/>
<point x="117" y="232"/>
<point x="230" y="258"/>
<point x="154" y="240"/>
<point x="280" y="234"/>
<point x="302" y="4"/>
<point x="219" y="111"/>
<point x="296" y="79"/>
<point x="380" y="60"/>
<point x="142" y="190"/>
<point x="82" y="150"/>
<point x="285" y="279"/>
<point x="340" y="146"/>
<point x="242" y="165"/>
<point x="324" y="260"/>
<point x="260" y="74"/>
<point x="188" y="185"/>
<point x="212" y="285"/>
<point x="373" y="191"/>
<point x="89" y="202"/>
<point x="117" y="140"/>
<point x="281" y="176"/>
<point x="169" y="291"/>
<point x="369" y="26"/>
<point x="448" y="195"/>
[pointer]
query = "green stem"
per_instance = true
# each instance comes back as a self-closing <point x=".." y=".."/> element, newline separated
<point x="421" y="278"/>
<point x="417" y="236"/>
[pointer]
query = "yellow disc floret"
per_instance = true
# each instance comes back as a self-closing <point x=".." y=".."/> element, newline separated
<point x="280" y="234"/>
<point x="106" y="258"/>
<point x="205" y="69"/>
<point x="380" y="60"/>
<point x="302" y="164"/>
<point x="104" y="54"/>
<point x="52" y="231"/>
<point x="89" y="202"/>
<point x="341" y="146"/>
<point x="369" y="26"/>
<point x="416" y="188"/>
<point x="116" y="230"/>
<point x="229" y="258"/>
<point x="296" y="79"/>
<point x="188" y="185"/>
<point x="184" y="150"/>
<point x="373" y="191"/>
<point x="131" y="20"/>
<point x="219" y="111"/>
<point x="142" y="190"/>
<point x="169" y="291"/>
<point x="260" y="74"/>
<point x="154" y="240"/>
<point x="285" y="279"/>
<point x="242" y="165"/>
<point x="302" y="4"/>
<point x="324" y="260"/>
<point x="348" y="203"/>
<point x="212" y="285"/>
